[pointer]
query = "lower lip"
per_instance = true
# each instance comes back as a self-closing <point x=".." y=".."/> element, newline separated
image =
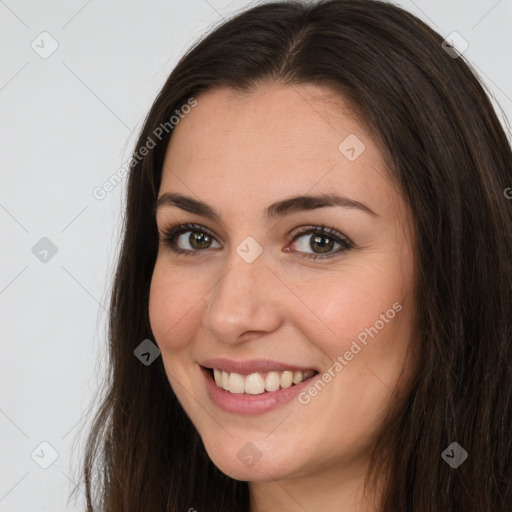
<point x="245" y="403"/>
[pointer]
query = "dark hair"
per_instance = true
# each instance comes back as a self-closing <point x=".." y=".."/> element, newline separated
<point x="445" y="148"/>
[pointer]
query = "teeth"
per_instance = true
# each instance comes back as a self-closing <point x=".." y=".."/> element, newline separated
<point x="254" y="384"/>
<point x="272" y="381"/>
<point x="225" y="378"/>
<point x="258" y="383"/>
<point x="236" y="383"/>
<point x="286" y="379"/>
<point x="297" y="377"/>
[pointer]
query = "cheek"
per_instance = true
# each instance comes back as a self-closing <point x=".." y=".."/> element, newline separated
<point x="348" y="304"/>
<point x="366" y="321"/>
<point x="173" y="306"/>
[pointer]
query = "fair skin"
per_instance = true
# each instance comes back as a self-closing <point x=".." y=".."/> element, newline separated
<point x="240" y="153"/>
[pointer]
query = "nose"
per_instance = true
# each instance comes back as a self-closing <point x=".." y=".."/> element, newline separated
<point x="245" y="299"/>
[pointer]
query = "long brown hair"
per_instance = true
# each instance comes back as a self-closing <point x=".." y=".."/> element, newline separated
<point x="446" y="149"/>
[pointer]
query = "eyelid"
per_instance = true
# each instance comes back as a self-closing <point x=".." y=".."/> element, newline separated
<point x="322" y="229"/>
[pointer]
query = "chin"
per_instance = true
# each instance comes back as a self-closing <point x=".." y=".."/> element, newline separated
<point x="248" y="463"/>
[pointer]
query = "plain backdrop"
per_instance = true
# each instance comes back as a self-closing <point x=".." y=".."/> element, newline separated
<point x="68" y="121"/>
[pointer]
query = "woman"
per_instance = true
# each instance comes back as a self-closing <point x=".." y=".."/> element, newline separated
<point x="311" y="309"/>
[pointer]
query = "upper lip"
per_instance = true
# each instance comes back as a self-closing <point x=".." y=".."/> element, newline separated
<point x="249" y="366"/>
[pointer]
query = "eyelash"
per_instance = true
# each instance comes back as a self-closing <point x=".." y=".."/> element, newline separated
<point x="170" y="232"/>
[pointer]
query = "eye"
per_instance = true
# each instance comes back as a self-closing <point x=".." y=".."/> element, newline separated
<point x="322" y="240"/>
<point x="199" y="238"/>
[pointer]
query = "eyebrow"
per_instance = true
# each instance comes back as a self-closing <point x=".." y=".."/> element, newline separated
<point x="274" y="211"/>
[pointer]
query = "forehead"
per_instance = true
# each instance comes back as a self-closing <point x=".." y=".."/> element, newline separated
<point x="275" y="142"/>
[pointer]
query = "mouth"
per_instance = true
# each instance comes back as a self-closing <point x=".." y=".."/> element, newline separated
<point x="258" y="383"/>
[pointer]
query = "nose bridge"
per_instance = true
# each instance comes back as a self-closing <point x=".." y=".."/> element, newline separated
<point x="241" y="299"/>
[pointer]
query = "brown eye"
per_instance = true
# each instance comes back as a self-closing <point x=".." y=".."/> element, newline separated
<point x="192" y="239"/>
<point x="187" y="239"/>
<point x="198" y="240"/>
<point x="321" y="240"/>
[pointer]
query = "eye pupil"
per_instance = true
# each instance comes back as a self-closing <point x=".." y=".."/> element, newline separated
<point x="197" y="237"/>
<point x="326" y="247"/>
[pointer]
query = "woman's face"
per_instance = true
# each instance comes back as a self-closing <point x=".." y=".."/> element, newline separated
<point x="249" y="290"/>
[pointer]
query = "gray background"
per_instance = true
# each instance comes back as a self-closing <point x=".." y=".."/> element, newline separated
<point x="68" y="122"/>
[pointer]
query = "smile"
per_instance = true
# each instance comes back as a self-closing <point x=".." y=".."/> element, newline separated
<point x="258" y="399"/>
<point x="259" y="383"/>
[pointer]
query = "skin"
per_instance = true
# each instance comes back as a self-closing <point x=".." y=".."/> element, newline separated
<point x="239" y="153"/>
